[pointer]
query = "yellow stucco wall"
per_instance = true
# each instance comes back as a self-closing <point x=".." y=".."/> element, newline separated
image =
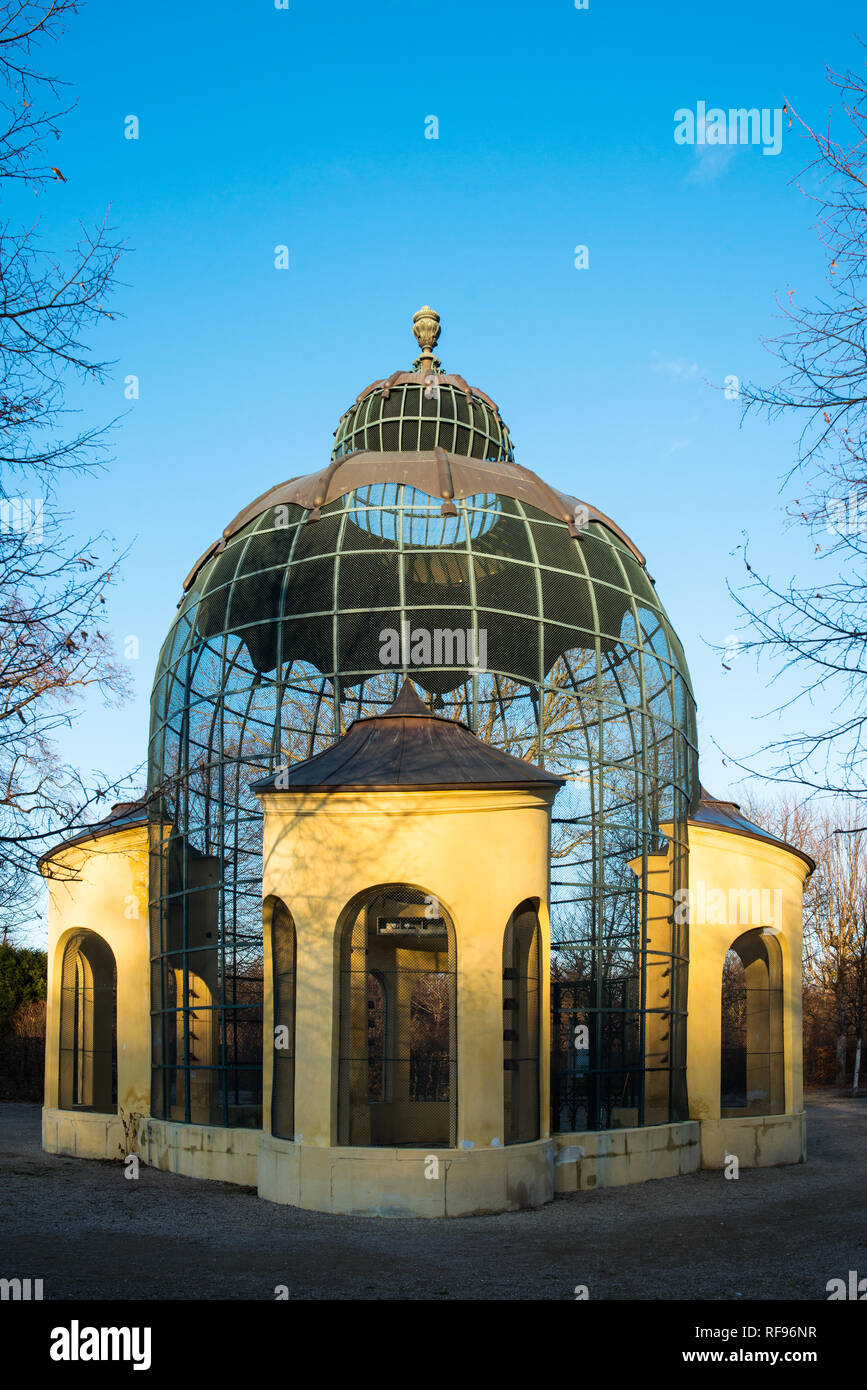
<point x="101" y="886"/>
<point x="739" y="867"/>
<point x="480" y="853"/>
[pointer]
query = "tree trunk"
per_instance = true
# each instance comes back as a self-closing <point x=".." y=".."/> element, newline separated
<point x="842" y="1038"/>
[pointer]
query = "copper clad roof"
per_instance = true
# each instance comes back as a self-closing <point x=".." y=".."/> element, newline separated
<point x="124" y="815"/>
<point x="387" y="383"/>
<point x="435" y="472"/>
<point x="408" y="747"/>
<point x="726" y="815"/>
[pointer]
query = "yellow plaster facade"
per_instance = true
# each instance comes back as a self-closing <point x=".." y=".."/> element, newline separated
<point x="738" y="885"/>
<point x="323" y="849"/>
<point x="100" y="886"/>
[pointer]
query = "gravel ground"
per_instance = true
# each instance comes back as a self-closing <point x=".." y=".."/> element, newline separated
<point x="775" y="1233"/>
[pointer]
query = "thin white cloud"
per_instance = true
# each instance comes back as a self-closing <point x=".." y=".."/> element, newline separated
<point x="710" y="160"/>
<point x="679" y="369"/>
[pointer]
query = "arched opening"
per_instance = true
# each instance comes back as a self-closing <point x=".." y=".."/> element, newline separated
<point x="751" y="1067"/>
<point x="397" y="1070"/>
<point x="88" y="1025"/>
<point x="522" y="944"/>
<point x="283" y="976"/>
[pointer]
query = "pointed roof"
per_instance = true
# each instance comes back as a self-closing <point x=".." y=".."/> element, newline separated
<point x="409" y="705"/>
<point x="726" y="815"/>
<point x="408" y="748"/>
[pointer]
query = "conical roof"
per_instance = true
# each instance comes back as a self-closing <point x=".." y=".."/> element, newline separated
<point x="124" y="815"/>
<point x="408" y="748"/>
<point x="726" y="815"/>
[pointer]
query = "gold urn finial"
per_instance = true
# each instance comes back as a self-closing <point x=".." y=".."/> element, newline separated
<point x="426" y="327"/>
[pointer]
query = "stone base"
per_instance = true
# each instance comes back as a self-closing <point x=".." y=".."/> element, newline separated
<point x="406" y="1182"/>
<point x="82" y="1134"/>
<point x="196" y="1151"/>
<point x="615" y="1157"/>
<point x="434" y="1182"/>
<point x="201" y="1151"/>
<point x="393" y="1182"/>
<point x="757" y="1141"/>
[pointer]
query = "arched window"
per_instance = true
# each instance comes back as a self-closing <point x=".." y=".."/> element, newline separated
<point x="283" y="967"/>
<point x="751" y="1074"/>
<point x="398" y="1068"/>
<point x="88" y="1025"/>
<point x="521" y="952"/>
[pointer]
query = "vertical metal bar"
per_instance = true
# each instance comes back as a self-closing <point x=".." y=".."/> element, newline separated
<point x="336" y="689"/>
<point x="464" y="514"/>
<point x="644" y="831"/>
<point x="540" y="638"/>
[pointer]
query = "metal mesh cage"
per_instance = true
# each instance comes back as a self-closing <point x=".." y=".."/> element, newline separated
<point x="553" y="647"/>
<point x="398" y="1059"/>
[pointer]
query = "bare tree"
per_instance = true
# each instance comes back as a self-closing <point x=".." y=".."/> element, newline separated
<point x="53" y="642"/>
<point x="835" y="910"/>
<point x="815" y="629"/>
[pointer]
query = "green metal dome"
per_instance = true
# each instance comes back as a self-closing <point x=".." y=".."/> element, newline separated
<point x="423" y="550"/>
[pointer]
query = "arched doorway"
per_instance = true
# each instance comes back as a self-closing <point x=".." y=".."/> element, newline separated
<point x="88" y="1025"/>
<point x="521" y="1019"/>
<point x="751" y="1062"/>
<point x="278" y="922"/>
<point x="398" y="1063"/>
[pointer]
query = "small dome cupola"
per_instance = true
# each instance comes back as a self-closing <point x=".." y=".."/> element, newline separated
<point x="422" y="409"/>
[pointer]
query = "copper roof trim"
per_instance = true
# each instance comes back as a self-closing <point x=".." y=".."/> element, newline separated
<point x="423" y="470"/>
<point x="124" y="815"/>
<point x="726" y="816"/>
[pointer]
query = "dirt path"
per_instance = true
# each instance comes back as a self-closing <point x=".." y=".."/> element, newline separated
<point x="775" y="1233"/>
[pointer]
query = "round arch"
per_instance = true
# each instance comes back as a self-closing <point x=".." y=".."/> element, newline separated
<point x="88" y="1023"/>
<point x="278" y="927"/>
<point x="752" y="1077"/>
<point x="522" y="949"/>
<point x="397" y="1070"/>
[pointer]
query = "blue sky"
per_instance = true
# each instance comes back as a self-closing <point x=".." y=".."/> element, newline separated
<point x="306" y="127"/>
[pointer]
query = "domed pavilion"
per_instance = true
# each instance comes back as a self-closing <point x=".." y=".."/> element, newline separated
<point x="424" y="909"/>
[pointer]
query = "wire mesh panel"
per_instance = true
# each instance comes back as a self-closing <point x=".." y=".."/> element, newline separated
<point x="398" y="1059"/>
<point x="206" y="982"/>
<point x="283" y="967"/>
<point x="88" y="1025"/>
<point x="551" y="646"/>
<point x="521" y="1019"/>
